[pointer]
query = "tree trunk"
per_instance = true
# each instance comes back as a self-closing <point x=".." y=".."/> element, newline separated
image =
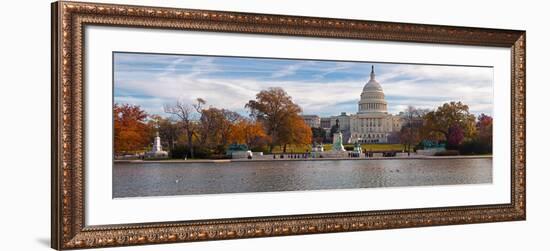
<point x="190" y="144"/>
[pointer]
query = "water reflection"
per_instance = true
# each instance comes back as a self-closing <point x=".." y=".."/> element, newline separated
<point x="162" y="179"/>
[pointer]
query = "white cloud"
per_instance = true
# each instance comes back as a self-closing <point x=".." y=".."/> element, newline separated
<point x="288" y="70"/>
<point x="418" y="85"/>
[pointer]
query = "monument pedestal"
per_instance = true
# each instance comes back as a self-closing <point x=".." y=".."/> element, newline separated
<point x="157" y="151"/>
<point x="338" y="150"/>
<point x="335" y="154"/>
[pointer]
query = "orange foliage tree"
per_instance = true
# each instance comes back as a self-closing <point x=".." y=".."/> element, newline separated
<point x="215" y="126"/>
<point x="131" y="131"/>
<point x="279" y="115"/>
<point x="249" y="132"/>
<point x="294" y="131"/>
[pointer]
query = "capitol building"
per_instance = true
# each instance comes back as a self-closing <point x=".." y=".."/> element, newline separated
<point x="371" y="124"/>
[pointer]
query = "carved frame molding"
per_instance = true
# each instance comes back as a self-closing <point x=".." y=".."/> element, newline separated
<point x="68" y="22"/>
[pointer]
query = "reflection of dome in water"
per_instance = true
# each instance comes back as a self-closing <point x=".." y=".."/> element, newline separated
<point x="372" y="97"/>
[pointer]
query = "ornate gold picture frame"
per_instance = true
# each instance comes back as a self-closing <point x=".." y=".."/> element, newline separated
<point x="69" y="230"/>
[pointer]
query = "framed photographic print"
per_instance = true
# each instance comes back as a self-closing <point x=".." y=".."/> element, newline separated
<point x="176" y="125"/>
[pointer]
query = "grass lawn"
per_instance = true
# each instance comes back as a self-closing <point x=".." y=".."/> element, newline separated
<point x="383" y="147"/>
<point x="328" y="147"/>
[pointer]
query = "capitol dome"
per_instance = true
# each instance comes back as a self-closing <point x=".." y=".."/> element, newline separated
<point x="372" y="97"/>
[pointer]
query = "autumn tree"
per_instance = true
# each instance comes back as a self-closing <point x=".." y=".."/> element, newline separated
<point x="484" y="128"/>
<point x="249" y="132"/>
<point x="410" y="133"/>
<point x="168" y="129"/>
<point x="131" y="132"/>
<point x="446" y="120"/>
<point x="394" y="137"/>
<point x="187" y="115"/>
<point x="482" y="142"/>
<point x="230" y="118"/>
<point x="215" y="127"/>
<point x="295" y="131"/>
<point x="455" y="137"/>
<point x="302" y="134"/>
<point x="209" y="120"/>
<point x="275" y="109"/>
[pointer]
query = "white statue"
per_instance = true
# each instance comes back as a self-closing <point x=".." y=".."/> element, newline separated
<point x="156" y="151"/>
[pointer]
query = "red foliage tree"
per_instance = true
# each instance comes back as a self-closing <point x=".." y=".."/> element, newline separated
<point x="484" y="128"/>
<point x="455" y="136"/>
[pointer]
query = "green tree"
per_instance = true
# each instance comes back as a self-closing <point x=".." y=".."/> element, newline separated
<point x="319" y="134"/>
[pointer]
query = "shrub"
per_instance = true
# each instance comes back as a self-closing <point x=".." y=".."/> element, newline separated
<point x="447" y="153"/>
<point x="182" y="151"/>
<point x="475" y="147"/>
<point x="262" y="148"/>
<point x="203" y="152"/>
<point x="179" y="152"/>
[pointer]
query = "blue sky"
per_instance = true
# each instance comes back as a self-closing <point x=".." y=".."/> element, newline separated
<point x="324" y="88"/>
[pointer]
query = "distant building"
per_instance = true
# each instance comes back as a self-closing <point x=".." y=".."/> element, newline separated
<point x="325" y="123"/>
<point x="343" y="119"/>
<point x="371" y="124"/>
<point x="313" y="121"/>
<point x="343" y="124"/>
